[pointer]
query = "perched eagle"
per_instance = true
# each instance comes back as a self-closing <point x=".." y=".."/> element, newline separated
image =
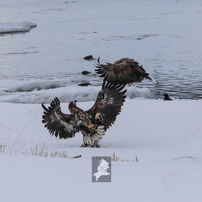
<point x="123" y="71"/>
<point x="166" y="97"/>
<point x="92" y="123"/>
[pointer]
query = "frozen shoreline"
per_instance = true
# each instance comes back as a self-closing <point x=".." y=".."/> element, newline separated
<point x="163" y="36"/>
<point x="16" y="27"/>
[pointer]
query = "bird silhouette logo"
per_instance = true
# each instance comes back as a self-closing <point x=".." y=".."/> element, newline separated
<point x="102" y="169"/>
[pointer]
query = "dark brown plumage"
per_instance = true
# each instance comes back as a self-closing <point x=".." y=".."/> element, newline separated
<point x="166" y="97"/>
<point x="92" y="123"/>
<point x="123" y="71"/>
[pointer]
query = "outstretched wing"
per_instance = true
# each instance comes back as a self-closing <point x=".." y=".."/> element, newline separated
<point x="123" y="71"/>
<point x="58" y="124"/>
<point x="108" y="104"/>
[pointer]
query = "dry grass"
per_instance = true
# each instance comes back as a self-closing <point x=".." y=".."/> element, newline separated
<point x="59" y="154"/>
<point x="39" y="151"/>
<point x="11" y="149"/>
<point x="115" y="158"/>
<point x="6" y="149"/>
<point x="2" y="148"/>
<point x="43" y="151"/>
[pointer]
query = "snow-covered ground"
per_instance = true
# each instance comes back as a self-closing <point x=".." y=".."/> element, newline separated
<point x="158" y="144"/>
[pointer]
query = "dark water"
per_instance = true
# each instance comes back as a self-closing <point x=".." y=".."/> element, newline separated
<point x="163" y="37"/>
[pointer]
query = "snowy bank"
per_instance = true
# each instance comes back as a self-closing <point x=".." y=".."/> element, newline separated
<point x="40" y="91"/>
<point x="159" y="143"/>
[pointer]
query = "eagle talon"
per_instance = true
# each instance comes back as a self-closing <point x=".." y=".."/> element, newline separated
<point x="130" y="84"/>
<point x="97" y="116"/>
<point x="95" y="146"/>
<point x="84" y="145"/>
<point x="90" y="126"/>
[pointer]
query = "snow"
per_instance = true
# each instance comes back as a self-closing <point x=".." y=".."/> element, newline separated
<point x="39" y="91"/>
<point x="157" y="144"/>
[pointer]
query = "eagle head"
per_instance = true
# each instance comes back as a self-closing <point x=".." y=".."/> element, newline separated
<point x="72" y="105"/>
<point x="74" y="102"/>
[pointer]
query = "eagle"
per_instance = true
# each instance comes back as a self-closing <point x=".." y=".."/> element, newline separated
<point x="166" y="97"/>
<point x="92" y="123"/>
<point x="123" y="71"/>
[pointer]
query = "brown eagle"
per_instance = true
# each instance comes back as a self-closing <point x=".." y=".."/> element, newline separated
<point x="123" y="71"/>
<point x="92" y="123"/>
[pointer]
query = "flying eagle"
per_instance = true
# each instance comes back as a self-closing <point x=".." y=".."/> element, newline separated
<point x="92" y="123"/>
<point x="123" y="71"/>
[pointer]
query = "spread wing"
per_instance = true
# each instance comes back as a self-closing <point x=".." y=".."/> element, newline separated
<point x="108" y="104"/>
<point x="57" y="123"/>
<point x="122" y="71"/>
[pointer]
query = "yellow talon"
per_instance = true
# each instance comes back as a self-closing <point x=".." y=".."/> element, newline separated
<point x="90" y="126"/>
<point x="97" y="116"/>
<point x="130" y="84"/>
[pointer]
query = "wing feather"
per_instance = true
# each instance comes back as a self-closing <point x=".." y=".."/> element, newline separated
<point x="58" y="123"/>
<point x="108" y="103"/>
<point x="123" y="71"/>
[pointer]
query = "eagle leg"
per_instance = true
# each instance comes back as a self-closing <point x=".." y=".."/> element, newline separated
<point x="95" y="144"/>
<point x="84" y="145"/>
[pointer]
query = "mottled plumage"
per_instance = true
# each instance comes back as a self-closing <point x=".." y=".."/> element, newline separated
<point x="92" y="123"/>
<point x="123" y="71"/>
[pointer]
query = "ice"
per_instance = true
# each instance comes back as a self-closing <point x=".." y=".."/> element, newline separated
<point x="163" y="36"/>
<point x="15" y="27"/>
<point x="43" y="91"/>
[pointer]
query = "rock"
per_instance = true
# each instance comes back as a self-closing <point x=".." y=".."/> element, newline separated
<point x="89" y="57"/>
<point x="85" y="72"/>
<point x="84" y="84"/>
